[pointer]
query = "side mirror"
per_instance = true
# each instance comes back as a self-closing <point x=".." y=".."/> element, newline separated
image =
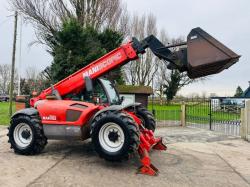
<point x="88" y="84"/>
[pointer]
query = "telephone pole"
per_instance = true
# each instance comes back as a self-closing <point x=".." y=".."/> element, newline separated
<point x="13" y="65"/>
<point x="20" y="55"/>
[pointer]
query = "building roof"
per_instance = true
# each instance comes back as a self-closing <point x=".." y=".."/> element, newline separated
<point x="129" y="89"/>
<point x="246" y="93"/>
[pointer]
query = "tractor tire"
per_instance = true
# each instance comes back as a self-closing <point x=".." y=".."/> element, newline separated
<point x="115" y="135"/>
<point x="26" y="135"/>
<point x="147" y="118"/>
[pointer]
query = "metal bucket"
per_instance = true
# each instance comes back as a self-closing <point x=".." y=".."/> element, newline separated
<point x="206" y="55"/>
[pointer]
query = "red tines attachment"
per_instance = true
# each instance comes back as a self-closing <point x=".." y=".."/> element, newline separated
<point x="159" y="145"/>
<point x="148" y="141"/>
<point x="147" y="168"/>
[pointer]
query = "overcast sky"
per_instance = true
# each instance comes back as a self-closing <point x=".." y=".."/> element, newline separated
<point x="226" y="20"/>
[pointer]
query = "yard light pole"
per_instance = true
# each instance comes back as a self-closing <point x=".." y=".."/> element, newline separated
<point x="13" y="65"/>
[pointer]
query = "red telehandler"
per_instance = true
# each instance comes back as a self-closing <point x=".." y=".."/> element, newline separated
<point x="116" y="131"/>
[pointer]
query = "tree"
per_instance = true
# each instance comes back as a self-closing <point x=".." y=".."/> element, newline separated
<point x="174" y="82"/>
<point x="31" y="73"/>
<point x="169" y="82"/>
<point x="142" y="71"/>
<point x="162" y="72"/>
<point x="238" y="92"/>
<point x="33" y="81"/>
<point x="75" y="32"/>
<point x="149" y="70"/>
<point x="76" y="46"/>
<point x="5" y="72"/>
<point x="48" y="16"/>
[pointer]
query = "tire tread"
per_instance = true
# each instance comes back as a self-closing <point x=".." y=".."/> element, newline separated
<point x="133" y="130"/>
<point x="39" y="141"/>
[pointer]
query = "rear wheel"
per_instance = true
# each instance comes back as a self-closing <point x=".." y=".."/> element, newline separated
<point x="115" y="135"/>
<point x="26" y="135"/>
<point x="146" y="117"/>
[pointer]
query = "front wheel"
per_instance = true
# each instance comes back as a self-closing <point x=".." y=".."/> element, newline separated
<point x="146" y="117"/>
<point x="115" y="135"/>
<point x="26" y="135"/>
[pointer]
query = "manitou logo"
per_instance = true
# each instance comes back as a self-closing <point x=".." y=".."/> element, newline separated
<point x="98" y="67"/>
<point x="50" y="118"/>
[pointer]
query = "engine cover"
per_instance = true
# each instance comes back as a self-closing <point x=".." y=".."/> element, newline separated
<point x="63" y="112"/>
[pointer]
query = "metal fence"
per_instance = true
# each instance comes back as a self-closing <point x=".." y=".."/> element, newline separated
<point x="167" y="117"/>
<point x="217" y="113"/>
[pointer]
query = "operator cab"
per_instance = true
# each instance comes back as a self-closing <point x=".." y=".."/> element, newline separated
<point x="106" y="91"/>
<point x="102" y="91"/>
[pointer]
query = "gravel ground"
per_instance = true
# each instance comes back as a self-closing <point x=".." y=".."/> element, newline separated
<point x="194" y="157"/>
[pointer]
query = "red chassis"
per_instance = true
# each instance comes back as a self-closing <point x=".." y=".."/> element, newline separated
<point x="110" y="61"/>
<point x="53" y="112"/>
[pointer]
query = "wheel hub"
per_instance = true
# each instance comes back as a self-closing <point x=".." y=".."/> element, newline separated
<point x="23" y="135"/>
<point x="113" y="136"/>
<point x="26" y="134"/>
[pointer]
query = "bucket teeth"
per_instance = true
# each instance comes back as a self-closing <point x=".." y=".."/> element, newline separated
<point x="159" y="145"/>
<point x="148" y="170"/>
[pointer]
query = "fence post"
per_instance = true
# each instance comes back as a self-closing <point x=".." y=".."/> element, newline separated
<point x="245" y="123"/>
<point x="210" y="114"/>
<point x="183" y="114"/>
<point x="247" y="114"/>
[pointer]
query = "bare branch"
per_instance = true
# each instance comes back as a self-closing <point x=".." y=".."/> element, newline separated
<point x="5" y="71"/>
<point x="143" y="71"/>
<point x="47" y="16"/>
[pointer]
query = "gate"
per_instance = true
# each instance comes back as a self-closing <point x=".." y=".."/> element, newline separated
<point x="198" y="113"/>
<point x="218" y="113"/>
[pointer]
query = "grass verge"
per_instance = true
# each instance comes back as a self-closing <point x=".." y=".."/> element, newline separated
<point x="4" y="113"/>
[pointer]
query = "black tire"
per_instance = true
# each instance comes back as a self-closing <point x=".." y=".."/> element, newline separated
<point x="38" y="140"/>
<point x="146" y="117"/>
<point x="129" y="128"/>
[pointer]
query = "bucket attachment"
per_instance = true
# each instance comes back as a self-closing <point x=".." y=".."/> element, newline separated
<point x="199" y="56"/>
<point x="206" y="55"/>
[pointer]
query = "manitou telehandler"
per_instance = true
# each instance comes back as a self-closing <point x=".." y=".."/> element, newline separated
<point x="116" y="131"/>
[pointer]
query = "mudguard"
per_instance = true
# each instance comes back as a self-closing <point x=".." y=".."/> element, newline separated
<point x="117" y="108"/>
<point x="26" y="111"/>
